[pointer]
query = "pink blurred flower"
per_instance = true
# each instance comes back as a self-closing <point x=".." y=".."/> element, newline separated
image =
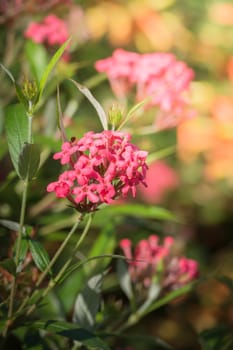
<point x="52" y="31"/>
<point x="102" y="166"/>
<point x="149" y="259"/>
<point x="158" y="76"/>
<point x="160" y="179"/>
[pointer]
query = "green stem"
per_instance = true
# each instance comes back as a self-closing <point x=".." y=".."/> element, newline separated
<point x="59" y="251"/>
<point x="55" y="280"/>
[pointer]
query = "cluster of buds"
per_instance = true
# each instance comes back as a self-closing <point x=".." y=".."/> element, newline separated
<point x="151" y="260"/>
<point x="102" y="167"/>
<point x="52" y="31"/>
<point x="159" y="76"/>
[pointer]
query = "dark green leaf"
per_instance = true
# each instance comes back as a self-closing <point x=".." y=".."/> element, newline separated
<point x="50" y="67"/>
<point x="216" y="338"/>
<point x="87" y="303"/>
<point x="39" y="254"/>
<point x="29" y="161"/>
<point x="16" y="132"/>
<point x="69" y="330"/>
<point x="9" y="265"/>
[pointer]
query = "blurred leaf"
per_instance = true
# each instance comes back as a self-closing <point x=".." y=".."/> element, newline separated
<point x="8" y="73"/>
<point x="12" y="225"/>
<point x="69" y="330"/>
<point x="169" y="297"/>
<point x="124" y="279"/>
<point x="216" y="338"/>
<point x="23" y="251"/>
<point x="16" y="132"/>
<point x="99" y="109"/>
<point x="140" y="341"/>
<point x="131" y="113"/>
<point x="87" y="303"/>
<point x="139" y="210"/>
<point x="38" y="59"/>
<point x="50" y="67"/>
<point x="9" y="265"/>
<point x="104" y="244"/>
<point x="39" y="254"/>
<point x="29" y="161"/>
<point x="153" y="294"/>
<point x="60" y="115"/>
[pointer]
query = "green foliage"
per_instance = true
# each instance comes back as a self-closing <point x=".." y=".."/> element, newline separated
<point x="29" y="161"/>
<point x="17" y="132"/>
<point x="69" y="330"/>
<point x="39" y="254"/>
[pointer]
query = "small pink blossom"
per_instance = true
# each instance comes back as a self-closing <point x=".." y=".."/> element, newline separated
<point x="157" y="76"/>
<point x="52" y="31"/>
<point x="102" y="167"/>
<point x="150" y="259"/>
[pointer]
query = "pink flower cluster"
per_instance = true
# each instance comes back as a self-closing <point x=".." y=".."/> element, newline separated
<point x="166" y="180"/>
<point x="102" y="166"/>
<point x="158" y="76"/>
<point x="151" y="259"/>
<point x="52" y="31"/>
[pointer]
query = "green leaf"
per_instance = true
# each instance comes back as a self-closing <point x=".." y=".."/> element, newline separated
<point x="38" y="59"/>
<point x="9" y="265"/>
<point x="29" y="161"/>
<point x="51" y="66"/>
<point x="124" y="278"/>
<point x="139" y="210"/>
<point x="16" y="132"/>
<point x="104" y="244"/>
<point x="153" y="295"/>
<point x="39" y="254"/>
<point x="69" y="330"/>
<point x="216" y="338"/>
<point x="99" y="109"/>
<point x="87" y="303"/>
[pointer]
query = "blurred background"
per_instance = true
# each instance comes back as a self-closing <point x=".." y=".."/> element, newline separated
<point x="195" y="178"/>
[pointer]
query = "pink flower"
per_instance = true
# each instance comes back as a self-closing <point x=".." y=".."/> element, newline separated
<point x="161" y="178"/>
<point x="52" y="31"/>
<point x="102" y="167"/>
<point x="150" y="259"/>
<point x="156" y="75"/>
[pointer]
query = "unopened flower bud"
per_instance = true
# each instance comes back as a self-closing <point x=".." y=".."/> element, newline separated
<point x="115" y="116"/>
<point x="29" y="89"/>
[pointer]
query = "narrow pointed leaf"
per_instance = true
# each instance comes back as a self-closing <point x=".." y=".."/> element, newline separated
<point x="39" y="254"/>
<point x="16" y="132"/>
<point x="69" y="330"/>
<point x="99" y="109"/>
<point x="51" y="66"/>
<point x="131" y="113"/>
<point x="29" y="161"/>
<point x="8" y="73"/>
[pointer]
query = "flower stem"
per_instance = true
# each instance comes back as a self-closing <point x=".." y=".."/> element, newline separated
<point x="59" y="275"/>
<point x="59" y="251"/>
